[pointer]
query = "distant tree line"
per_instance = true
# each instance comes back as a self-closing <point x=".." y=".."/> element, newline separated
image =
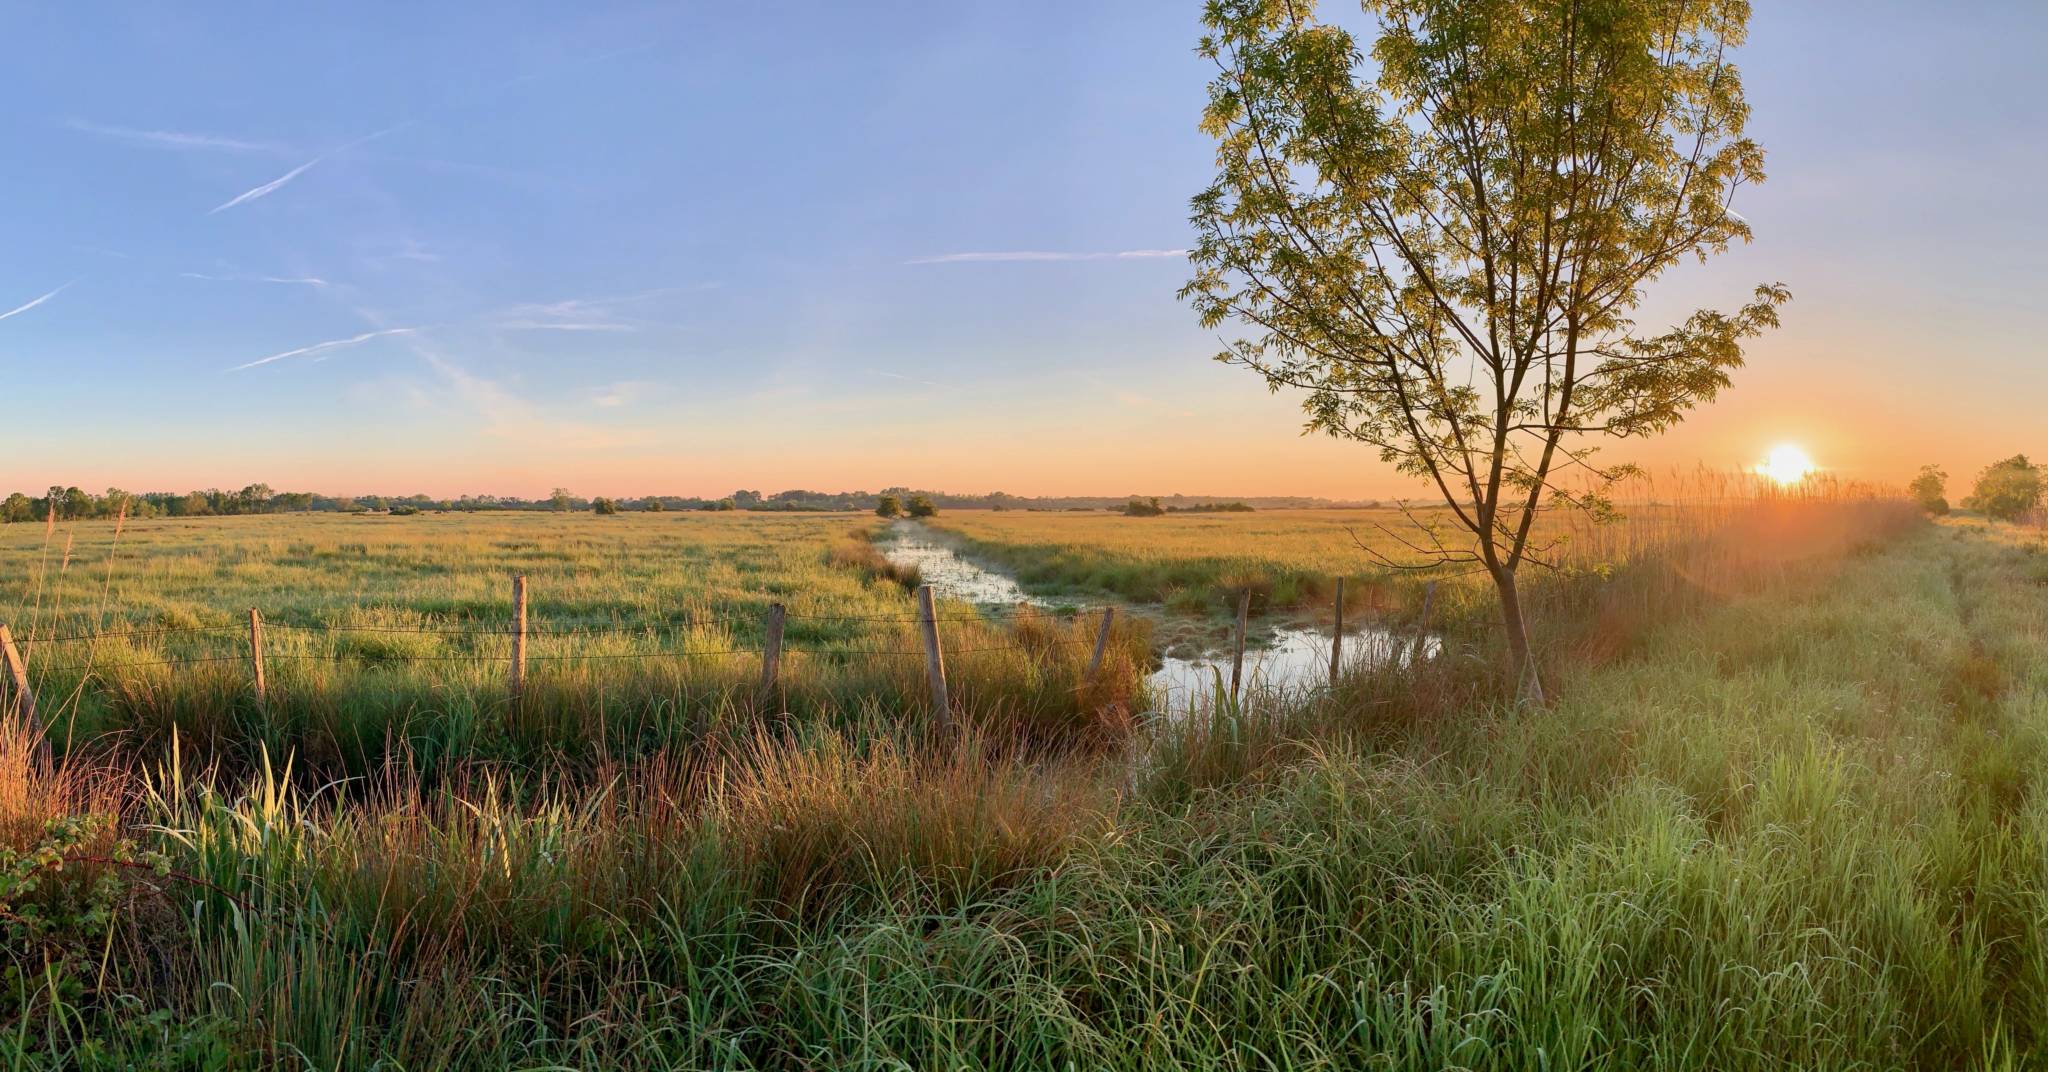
<point x="73" y="503"/>
<point x="2007" y="490"/>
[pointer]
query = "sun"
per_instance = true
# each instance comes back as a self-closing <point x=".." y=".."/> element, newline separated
<point x="1786" y="464"/>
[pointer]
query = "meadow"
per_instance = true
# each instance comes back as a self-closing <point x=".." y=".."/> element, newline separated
<point x="387" y="635"/>
<point x="1782" y="813"/>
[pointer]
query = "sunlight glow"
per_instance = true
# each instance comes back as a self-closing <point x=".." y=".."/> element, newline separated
<point x="1787" y="463"/>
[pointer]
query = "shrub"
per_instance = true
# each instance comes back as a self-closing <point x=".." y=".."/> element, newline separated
<point x="602" y="505"/>
<point x="1143" y="507"/>
<point x="2007" y="490"/>
<point x="888" y="506"/>
<point x="1930" y="490"/>
<point x="653" y="505"/>
<point x="921" y="506"/>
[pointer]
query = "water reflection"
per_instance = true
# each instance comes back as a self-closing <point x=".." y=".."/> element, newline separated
<point x="1284" y="658"/>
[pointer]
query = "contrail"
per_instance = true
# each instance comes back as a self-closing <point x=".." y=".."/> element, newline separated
<point x="331" y="344"/>
<point x="271" y="187"/>
<point x="1045" y="255"/>
<point x="26" y="306"/>
<point x="267" y="188"/>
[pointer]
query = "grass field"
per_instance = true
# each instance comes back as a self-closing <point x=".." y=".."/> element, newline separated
<point x="386" y="633"/>
<point x="1783" y="813"/>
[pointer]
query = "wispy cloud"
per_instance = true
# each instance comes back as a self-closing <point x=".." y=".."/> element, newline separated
<point x="32" y="303"/>
<point x="561" y="325"/>
<point x="1045" y="255"/>
<point x="179" y="139"/>
<point x="622" y="393"/>
<point x="307" y="280"/>
<point x="910" y="379"/>
<point x="278" y="183"/>
<point x="580" y="314"/>
<point x="324" y="348"/>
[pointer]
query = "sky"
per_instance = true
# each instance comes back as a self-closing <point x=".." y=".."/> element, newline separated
<point x="688" y="248"/>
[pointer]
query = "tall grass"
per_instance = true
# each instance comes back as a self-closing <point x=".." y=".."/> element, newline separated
<point x="1791" y="822"/>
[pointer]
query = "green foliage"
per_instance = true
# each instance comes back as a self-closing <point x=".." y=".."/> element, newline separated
<point x="2007" y="490"/>
<point x="920" y="506"/>
<point x="1144" y="507"/>
<point x="602" y="505"/>
<point x="1930" y="490"/>
<point x="653" y="504"/>
<point x="1446" y="257"/>
<point x="888" y="506"/>
<point x="64" y="893"/>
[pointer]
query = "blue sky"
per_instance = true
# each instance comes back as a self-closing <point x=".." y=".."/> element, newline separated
<point x="686" y="248"/>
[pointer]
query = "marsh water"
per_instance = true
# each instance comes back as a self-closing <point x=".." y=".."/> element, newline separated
<point x="1282" y="656"/>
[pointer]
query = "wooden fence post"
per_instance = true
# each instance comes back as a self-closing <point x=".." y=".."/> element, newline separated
<point x="1422" y="631"/>
<point x="518" y="636"/>
<point x="1337" y="636"/>
<point x="256" y="655"/>
<point x="1101" y="643"/>
<point x="1244" y="613"/>
<point x="934" y="658"/>
<point x="24" y="696"/>
<point x="771" y="653"/>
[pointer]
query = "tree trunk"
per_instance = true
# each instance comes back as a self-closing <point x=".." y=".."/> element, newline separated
<point x="1528" y="683"/>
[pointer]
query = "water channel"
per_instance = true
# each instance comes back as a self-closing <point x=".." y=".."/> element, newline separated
<point x="1280" y="656"/>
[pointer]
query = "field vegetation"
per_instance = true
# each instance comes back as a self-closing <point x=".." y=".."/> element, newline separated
<point x="388" y="637"/>
<point x="1782" y="813"/>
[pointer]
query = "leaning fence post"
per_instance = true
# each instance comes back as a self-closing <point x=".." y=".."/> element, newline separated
<point x="934" y="658"/>
<point x="518" y="636"/>
<point x="771" y="653"/>
<point x="1244" y="613"/>
<point x="256" y="654"/>
<point x="1101" y="643"/>
<point x="1337" y="635"/>
<point x="24" y="696"/>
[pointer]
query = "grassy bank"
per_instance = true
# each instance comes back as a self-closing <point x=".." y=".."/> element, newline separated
<point x="1792" y="823"/>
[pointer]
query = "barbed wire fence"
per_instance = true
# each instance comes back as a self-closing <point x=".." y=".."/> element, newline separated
<point x="15" y="653"/>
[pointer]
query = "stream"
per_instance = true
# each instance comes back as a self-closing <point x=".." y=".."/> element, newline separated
<point x="1281" y="656"/>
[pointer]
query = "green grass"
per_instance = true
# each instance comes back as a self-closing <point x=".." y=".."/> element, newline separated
<point x="386" y="638"/>
<point x="1792" y="822"/>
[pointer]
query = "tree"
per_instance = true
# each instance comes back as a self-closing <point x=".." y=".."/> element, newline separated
<point x="78" y="503"/>
<point x="1445" y="255"/>
<point x="560" y="500"/>
<point x="602" y="505"/>
<point x="653" y="504"/>
<point x="2007" y="490"/>
<point x="888" y="506"/>
<point x="920" y="506"/>
<point x="254" y="499"/>
<point x="1143" y="507"/>
<point x="18" y="507"/>
<point x="1930" y="490"/>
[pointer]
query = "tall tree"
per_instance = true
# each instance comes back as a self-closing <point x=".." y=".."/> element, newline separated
<point x="1443" y="245"/>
